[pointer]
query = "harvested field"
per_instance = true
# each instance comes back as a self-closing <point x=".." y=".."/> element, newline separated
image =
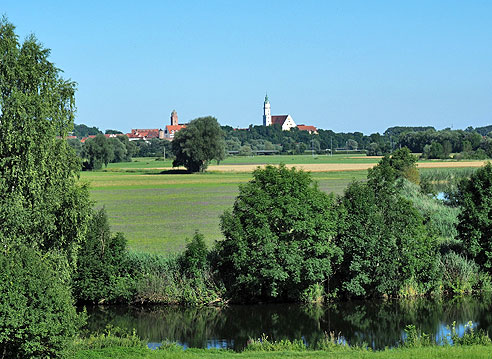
<point x="335" y="167"/>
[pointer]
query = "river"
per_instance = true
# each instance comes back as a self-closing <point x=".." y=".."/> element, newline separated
<point x="377" y="324"/>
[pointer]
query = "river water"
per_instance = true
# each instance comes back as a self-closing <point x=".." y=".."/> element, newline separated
<point x="377" y="324"/>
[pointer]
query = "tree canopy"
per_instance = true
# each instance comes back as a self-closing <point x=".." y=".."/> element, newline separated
<point x="279" y="238"/>
<point x="41" y="202"/>
<point x="199" y="143"/>
<point x="43" y="209"/>
<point x="475" y="218"/>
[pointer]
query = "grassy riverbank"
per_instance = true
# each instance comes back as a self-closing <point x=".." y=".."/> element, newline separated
<point x="474" y="351"/>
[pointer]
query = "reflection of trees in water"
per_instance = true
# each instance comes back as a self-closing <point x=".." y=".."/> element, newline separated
<point x="376" y="323"/>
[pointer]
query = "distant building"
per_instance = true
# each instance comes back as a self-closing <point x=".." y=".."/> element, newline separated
<point x="310" y="129"/>
<point x="175" y="127"/>
<point x="145" y="134"/>
<point x="285" y="121"/>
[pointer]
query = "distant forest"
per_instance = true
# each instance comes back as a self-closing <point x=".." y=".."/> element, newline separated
<point x="471" y="143"/>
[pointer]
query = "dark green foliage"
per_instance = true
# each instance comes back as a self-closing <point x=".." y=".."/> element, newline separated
<point x="385" y="243"/>
<point x="194" y="259"/>
<point x="400" y="164"/>
<point x="119" y="150"/>
<point x="154" y="148"/>
<point x="475" y="220"/>
<point x="101" y="265"/>
<point x="160" y="279"/>
<point x="82" y="131"/>
<point x="278" y="237"/>
<point x="97" y="151"/>
<point x="199" y="143"/>
<point x="434" y="151"/>
<point x="112" y="132"/>
<point x="37" y="316"/>
<point x="384" y="240"/>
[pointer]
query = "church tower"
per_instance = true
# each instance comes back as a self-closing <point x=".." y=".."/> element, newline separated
<point x="267" y="115"/>
<point x="174" y="118"/>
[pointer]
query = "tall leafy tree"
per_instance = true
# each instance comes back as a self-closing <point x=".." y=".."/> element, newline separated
<point x="41" y="202"/>
<point x="475" y="218"/>
<point x="43" y="209"/>
<point x="279" y="238"/>
<point x="97" y="151"/>
<point x="199" y="143"/>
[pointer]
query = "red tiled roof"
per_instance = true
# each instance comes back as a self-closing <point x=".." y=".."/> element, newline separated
<point x="86" y="138"/>
<point x="145" y="132"/>
<point x="307" y="128"/>
<point x="279" y="120"/>
<point x="170" y="128"/>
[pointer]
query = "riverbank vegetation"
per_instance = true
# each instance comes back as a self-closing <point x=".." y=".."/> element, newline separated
<point x="470" y="345"/>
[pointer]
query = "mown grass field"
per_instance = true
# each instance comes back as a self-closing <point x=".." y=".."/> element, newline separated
<point x="158" y="212"/>
<point x="448" y="352"/>
<point x="158" y="209"/>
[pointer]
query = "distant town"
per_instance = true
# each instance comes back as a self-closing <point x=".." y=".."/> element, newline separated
<point x="286" y="122"/>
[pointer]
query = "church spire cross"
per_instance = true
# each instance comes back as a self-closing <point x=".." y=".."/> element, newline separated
<point x="266" y="97"/>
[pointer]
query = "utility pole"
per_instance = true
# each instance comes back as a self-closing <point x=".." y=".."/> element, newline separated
<point x="331" y="145"/>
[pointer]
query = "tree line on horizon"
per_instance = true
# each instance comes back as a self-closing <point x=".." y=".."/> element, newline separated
<point x="471" y="143"/>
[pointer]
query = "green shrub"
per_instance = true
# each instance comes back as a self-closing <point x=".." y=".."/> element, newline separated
<point x="263" y="344"/>
<point x="194" y="259"/>
<point x="475" y="219"/>
<point x="161" y="279"/>
<point x="331" y="342"/>
<point x="385" y="243"/>
<point x="279" y="237"/>
<point x="111" y="337"/>
<point x="460" y="276"/>
<point x="101" y="264"/>
<point x="470" y="337"/>
<point x="37" y="315"/>
<point x="441" y="217"/>
<point x="415" y="338"/>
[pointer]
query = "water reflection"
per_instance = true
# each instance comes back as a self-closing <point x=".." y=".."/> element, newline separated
<point x="374" y="323"/>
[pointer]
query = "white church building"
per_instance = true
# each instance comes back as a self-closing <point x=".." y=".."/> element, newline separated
<point x="285" y="121"/>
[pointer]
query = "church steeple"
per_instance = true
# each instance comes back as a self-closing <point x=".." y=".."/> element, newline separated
<point x="174" y="118"/>
<point x="267" y="115"/>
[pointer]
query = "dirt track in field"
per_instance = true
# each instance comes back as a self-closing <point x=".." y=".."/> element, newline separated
<point x="338" y="167"/>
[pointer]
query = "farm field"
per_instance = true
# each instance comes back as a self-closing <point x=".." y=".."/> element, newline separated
<point x="158" y="209"/>
<point x="157" y="212"/>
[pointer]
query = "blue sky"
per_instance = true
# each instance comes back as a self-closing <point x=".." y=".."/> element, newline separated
<point x="340" y="65"/>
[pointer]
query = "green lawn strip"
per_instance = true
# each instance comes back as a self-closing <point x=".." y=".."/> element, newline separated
<point x="450" y="352"/>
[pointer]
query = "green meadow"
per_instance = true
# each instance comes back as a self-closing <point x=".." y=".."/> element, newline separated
<point x="158" y="210"/>
<point x="474" y="351"/>
<point x="152" y="163"/>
